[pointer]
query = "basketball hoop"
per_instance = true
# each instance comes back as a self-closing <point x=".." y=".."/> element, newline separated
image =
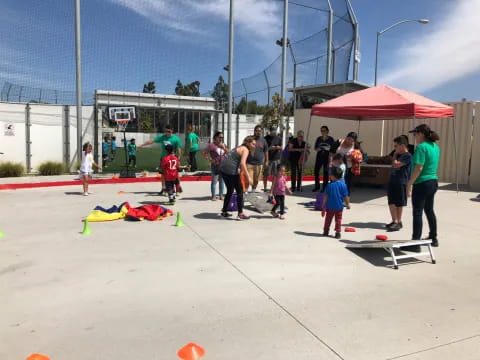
<point x="122" y="124"/>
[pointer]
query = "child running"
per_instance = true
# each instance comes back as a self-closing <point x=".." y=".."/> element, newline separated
<point x="337" y="162"/>
<point x="279" y="189"/>
<point x="86" y="169"/>
<point x="170" y="165"/>
<point x="335" y="194"/>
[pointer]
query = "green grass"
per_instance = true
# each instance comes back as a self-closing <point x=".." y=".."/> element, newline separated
<point x="148" y="159"/>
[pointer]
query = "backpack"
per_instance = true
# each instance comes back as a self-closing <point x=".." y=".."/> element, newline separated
<point x="319" y="201"/>
<point x="232" y="205"/>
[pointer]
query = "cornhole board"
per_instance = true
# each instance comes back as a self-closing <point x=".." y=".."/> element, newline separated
<point x="391" y="245"/>
<point x="259" y="201"/>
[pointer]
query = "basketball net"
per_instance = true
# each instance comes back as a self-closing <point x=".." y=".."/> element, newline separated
<point x="122" y="124"/>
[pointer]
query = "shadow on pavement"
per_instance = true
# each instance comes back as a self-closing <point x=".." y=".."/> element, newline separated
<point x="453" y="187"/>
<point x="302" y="233"/>
<point x="360" y="193"/>
<point x="199" y="198"/>
<point x="211" y="216"/>
<point x="73" y="193"/>
<point x="476" y="199"/>
<point x="367" y="225"/>
<point x="378" y="257"/>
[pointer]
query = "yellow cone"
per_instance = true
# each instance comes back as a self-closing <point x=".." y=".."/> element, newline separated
<point x="179" y="221"/>
<point x="86" y="228"/>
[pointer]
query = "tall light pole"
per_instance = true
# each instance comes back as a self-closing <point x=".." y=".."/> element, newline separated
<point x="78" y="61"/>
<point x="230" y="77"/>
<point x="379" y="33"/>
<point x="284" y="59"/>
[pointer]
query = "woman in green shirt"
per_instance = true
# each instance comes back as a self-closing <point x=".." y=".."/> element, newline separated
<point x="191" y="146"/>
<point x="423" y="183"/>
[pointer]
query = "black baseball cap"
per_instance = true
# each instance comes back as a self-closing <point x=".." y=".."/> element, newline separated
<point x="419" y="129"/>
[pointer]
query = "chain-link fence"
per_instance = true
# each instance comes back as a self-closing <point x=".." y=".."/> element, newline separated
<point x="128" y="43"/>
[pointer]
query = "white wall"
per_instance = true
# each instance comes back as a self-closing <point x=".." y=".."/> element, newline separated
<point x="47" y="132"/>
<point x="13" y="147"/>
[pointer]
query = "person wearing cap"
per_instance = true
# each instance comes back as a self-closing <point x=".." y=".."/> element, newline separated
<point x="423" y="183"/>
<point x="274" y="143"/>
<point x="323" y="145"/>
<point x="345" y="147"/>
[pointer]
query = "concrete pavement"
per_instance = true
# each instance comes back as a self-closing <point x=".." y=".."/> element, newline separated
<point x="258" y="289"/>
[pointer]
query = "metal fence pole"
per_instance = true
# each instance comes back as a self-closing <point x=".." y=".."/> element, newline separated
<point x="246" y="97"/>
<point x="268" y="87"/>
<point x="66" y="135"/>
<point x="28" y="142"/>
<point x="78" y="62"/>
<point x="356" y="43"/>
<point x="237" y="130"/>
<point x="330" y="43"/>
<point x="230" y="76"/>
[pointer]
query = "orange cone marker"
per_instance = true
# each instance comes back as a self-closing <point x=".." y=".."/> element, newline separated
<point x="38" y="357"/>
<point x="191" y="351"/>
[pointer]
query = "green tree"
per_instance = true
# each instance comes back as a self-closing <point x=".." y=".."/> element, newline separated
<point x="192" y="89"/>
<point x="220" y="93"/>
<point x="149" y="88"/>
<point x="274" y="113"/>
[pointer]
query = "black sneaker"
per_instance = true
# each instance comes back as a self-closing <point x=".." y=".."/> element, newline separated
<point x="325" y="232"/>
<point x="225" y="214"/>
<point x="338" y="235"/>
<point x="389" y="225"/>
<point x="395" y="227"/>
<point x="434" y="241"/>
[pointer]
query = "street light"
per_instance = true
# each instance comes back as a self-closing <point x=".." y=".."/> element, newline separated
<point x="420" y="21"/>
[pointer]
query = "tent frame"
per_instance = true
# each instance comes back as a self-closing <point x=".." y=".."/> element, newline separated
<point x="383" y="130"/>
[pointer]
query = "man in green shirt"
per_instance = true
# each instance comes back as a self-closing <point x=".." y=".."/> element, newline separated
<point x="166" y="138"/>
<point x="191" y="146"/>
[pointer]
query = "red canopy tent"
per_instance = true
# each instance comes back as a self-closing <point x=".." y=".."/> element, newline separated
<point x="383" y="103"/>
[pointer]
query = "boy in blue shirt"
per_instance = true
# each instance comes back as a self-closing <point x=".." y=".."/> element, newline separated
<point x="335" y="194"/>
<point x="397" y="186"/>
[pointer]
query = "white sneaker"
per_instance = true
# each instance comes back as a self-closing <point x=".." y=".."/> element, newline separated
<point x="85" y="194"/>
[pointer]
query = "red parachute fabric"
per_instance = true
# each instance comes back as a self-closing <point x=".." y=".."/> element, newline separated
<point x="149" y="212"/>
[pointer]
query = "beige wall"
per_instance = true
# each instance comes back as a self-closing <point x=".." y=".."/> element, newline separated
<point x="468" y="147"/>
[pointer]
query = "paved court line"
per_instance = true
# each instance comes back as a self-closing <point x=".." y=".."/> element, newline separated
<point x="265" y="293"/>
<point x="435" y="347"/>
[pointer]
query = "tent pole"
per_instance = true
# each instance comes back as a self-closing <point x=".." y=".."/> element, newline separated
<point x="382" y="137"/>
<point x="455" y="151"/>
<point x="305" y="151"/>
<point x="358" y="129"/>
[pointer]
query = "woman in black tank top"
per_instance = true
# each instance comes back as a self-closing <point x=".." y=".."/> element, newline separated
<point x="230" y="169"/>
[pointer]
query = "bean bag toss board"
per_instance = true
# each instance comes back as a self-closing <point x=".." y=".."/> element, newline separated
<point x="390" y="246"/>
<point x="259" y="201"/>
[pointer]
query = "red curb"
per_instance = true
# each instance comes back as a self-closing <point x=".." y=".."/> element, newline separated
<point x="107" y="181"/>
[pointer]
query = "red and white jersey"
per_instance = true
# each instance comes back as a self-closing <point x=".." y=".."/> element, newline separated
<point x="170" y="164"/>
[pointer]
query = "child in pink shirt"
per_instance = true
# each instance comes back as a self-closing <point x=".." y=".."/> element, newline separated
<point x="279" y="189"/>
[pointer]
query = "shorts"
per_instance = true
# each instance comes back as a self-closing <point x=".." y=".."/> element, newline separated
<point x="272" y="168"/>
<point x="397" y="195"/>
<point x="254" y="171"/>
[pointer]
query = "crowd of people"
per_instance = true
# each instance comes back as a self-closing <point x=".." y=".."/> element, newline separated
<point x="265" y="159"/>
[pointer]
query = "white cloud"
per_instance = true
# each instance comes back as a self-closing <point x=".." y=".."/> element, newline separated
<point x="260" y="18"/>
<point x="450" y="51"/>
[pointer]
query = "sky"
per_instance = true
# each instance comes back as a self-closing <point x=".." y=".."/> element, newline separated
<point x="126" y="43"/>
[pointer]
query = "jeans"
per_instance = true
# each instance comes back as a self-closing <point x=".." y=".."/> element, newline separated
<point x="193" y="160"/>
<point x="296" y="174"/>
<point x="321" y="161"/>
<point x="216" y="177"/>
<point x="279" y="202"/>
<point x="233" y="183"/>
<point x="423" y="195"/>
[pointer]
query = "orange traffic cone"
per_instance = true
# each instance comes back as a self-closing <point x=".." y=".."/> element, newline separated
<point x="115" y="177"/>
<point x="38" y="357"/>
<point x="191" y="351"/>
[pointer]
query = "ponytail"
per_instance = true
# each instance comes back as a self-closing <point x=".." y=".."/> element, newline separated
<point x="432" y="136"/>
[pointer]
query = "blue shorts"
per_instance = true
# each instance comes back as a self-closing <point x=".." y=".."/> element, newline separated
<point x="397" y="195"/>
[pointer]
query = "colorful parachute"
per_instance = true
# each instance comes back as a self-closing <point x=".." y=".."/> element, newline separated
<point x="150" y="212"/>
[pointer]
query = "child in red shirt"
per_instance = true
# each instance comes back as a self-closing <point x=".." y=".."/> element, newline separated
<point x="170" y="165"/>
